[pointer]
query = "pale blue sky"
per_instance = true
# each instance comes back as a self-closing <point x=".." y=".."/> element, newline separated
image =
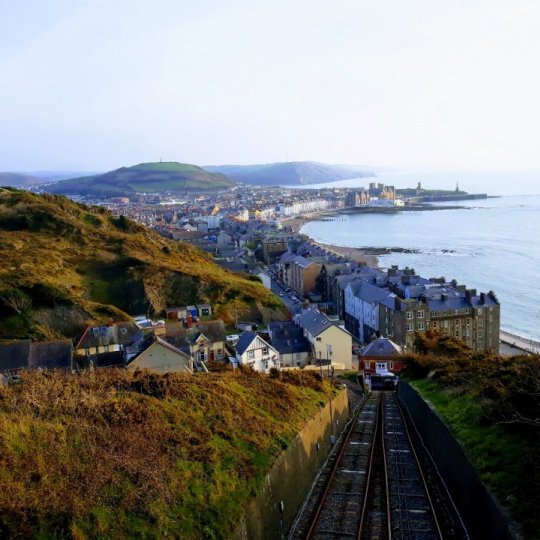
<point x="402" y="83"/>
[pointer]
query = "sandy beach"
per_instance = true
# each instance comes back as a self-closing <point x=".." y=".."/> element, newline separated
<point x="354" y="254"/>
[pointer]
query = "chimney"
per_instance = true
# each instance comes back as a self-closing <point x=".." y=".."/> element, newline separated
<point x="392" y="271"/>
<point x="406" y="279"/>
<point x="189" y="320"/>
<point x="397" y="303"/>
<point x="482" y="298"/>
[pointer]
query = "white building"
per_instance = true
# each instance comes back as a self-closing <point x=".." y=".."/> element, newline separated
<point x="303" y="207"/>
<point x="253" y="351"/>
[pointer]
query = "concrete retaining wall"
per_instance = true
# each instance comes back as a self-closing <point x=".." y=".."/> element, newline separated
<point x="273" y="510"/>
<point x="481" y="516"/>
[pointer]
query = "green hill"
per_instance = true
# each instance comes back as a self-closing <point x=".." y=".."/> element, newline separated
<point x="143" y="178"/>
<point x="290" y="173"/>
<point x="65" y="264"/>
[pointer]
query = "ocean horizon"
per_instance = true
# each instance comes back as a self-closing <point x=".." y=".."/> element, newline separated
<point x="491" y="182"/>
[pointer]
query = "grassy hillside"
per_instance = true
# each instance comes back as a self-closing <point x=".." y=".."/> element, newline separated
<point x="143" y="178"/>
<point x="65" y="264"/>
<point x="290" y="173"/>
<point x="18" y="179"/>
<point x="110" y="454"/>
<point x="492" y="405"/>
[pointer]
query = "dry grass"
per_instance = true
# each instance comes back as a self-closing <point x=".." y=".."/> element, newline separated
<point x="111" y="454"/>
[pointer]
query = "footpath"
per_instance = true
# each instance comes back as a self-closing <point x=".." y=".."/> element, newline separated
<point x="519" y="343"/>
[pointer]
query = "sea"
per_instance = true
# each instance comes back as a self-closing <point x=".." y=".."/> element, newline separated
<point x="488" y="244"/>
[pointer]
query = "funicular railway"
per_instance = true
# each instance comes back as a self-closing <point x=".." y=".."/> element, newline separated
<point x="376" y="487"/>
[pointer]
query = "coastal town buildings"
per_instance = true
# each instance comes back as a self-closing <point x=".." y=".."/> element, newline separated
<point x="253" y="351"/>
<point x="398" y="303"/>
<point x="330" y="343"/>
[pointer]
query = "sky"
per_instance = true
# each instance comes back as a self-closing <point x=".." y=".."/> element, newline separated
<point x="432" y="84"/>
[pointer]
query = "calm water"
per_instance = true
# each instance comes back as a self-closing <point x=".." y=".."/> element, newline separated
<point x="492" y="244"/>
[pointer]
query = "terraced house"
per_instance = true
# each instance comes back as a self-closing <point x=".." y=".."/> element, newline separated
<point x="405" y="303"/>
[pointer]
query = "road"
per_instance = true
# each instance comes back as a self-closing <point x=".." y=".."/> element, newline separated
<point x="294" y="306"/>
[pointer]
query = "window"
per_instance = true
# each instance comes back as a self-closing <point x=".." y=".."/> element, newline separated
<point x="468" y="322"/>
<point x="421" y="326"/>
<point x="250" y="355"/>
<point x="457" y="333"/>
<point x="409" y="314"/>
<point x="410" y="327"/>
<point x="479" y="312"/>
<point x="434" y="324"/>
<point x="318" y="339"/>
<point x="220" y="353"/>
<point x="265" y="351"/>
<point x="420" y="314"/>
<point x="445" y="324"/>
<point x="457" y="322"/>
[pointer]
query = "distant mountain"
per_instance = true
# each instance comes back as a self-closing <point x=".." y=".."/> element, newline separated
<point x="55" y="176"/>
<point x="145" y="177"/>
<point x="290" y="173"/>
<point x="20" y="180"/>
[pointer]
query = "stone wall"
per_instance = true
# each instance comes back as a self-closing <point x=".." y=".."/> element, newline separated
<point x="273" y="510"/>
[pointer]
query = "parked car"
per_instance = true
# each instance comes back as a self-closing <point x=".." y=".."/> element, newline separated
<point x="232" y="338"/>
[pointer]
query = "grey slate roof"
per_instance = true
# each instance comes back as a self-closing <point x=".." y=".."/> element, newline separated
<point x="246" y="339"/>
<point x="14" y="354"/>
<point x="369" y="293"/>
<point x="287" y="337"/>
<point x="313" y="321"/>
<point x="382" y="347"/>
<point x="56" y="354"/>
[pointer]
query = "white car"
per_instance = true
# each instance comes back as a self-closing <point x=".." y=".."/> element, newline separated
<point x="232" y="338"/>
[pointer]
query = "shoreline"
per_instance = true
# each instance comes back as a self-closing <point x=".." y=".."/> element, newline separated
<point x="513" y="343"/>
<point x="359" y="255"/>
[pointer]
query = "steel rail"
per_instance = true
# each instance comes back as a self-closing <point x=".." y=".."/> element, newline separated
<point x="424" y="482"/>
<point x="334" y="469"/>
<point x="386" y="484"/>
<point x="370" y="468"/>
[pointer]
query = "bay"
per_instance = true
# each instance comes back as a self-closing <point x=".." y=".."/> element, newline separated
<point x="491" y="244"/>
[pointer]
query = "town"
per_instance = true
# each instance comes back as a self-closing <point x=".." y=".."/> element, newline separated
<point x="343" y="314"/>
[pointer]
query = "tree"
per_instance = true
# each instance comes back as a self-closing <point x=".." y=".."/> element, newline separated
<point x="16" y="300"/>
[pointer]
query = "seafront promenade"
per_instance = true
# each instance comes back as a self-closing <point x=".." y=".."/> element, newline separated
<point x="516" y="344"/>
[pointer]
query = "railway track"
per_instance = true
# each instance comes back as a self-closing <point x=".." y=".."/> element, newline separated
<point x="375" y="487"/>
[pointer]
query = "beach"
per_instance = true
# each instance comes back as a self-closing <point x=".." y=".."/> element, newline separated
<point x="358" y="255"/>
